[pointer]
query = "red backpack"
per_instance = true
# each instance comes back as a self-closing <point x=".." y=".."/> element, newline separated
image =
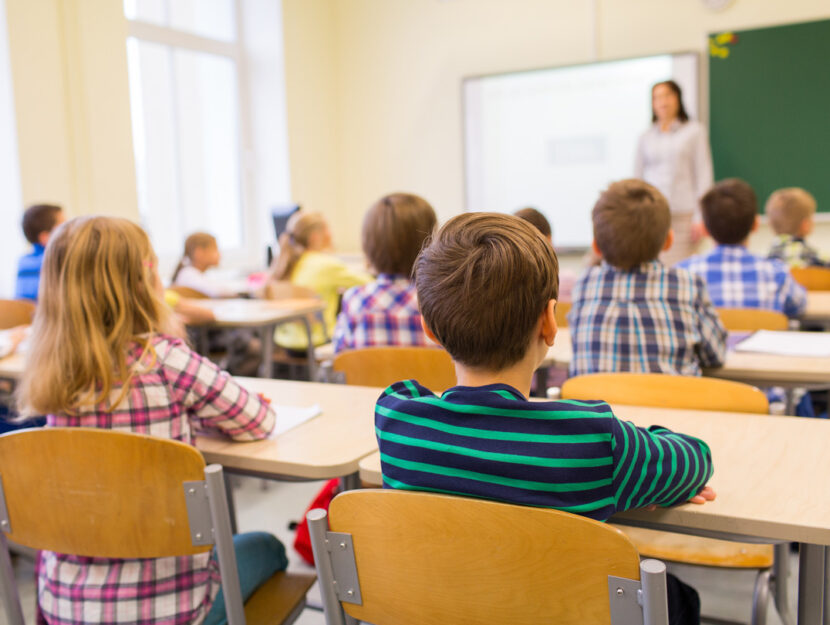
<point x="302" y="542"/>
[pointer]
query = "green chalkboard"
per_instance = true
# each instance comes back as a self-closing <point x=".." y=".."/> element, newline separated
<point x="769" y="107"/>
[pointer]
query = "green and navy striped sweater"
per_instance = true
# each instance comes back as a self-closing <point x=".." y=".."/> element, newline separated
<point x="491" y="442"/>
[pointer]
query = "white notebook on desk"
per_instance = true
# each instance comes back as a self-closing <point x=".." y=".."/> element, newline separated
<point x="289" y="417"/>
<point x="816" y="344"/>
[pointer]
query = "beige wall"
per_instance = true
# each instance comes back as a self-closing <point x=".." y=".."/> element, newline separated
<point x="71" y="97"/>
<point x="390" y="73"/>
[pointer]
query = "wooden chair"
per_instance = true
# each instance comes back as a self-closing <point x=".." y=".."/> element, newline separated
<point x="404" y="558"/>
<point x="382" y="366"/>
<point x="752" y="319"/>
<point x="187" y="292"/>
<point x="121" y="495"/>
<point x="562" y="310"/>
<point x="693" y="393"/>
<point x="812" y="278"/>
<point x="15" y="312"/>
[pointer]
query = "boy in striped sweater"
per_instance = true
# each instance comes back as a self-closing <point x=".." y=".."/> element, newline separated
<point x="487" y="287"/>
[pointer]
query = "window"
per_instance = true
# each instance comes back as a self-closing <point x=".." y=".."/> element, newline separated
<point x="190" y="131"/>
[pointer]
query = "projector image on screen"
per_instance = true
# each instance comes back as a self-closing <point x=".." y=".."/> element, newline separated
<point x="554" y="138"/>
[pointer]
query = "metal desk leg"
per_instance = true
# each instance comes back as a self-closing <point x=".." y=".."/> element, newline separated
<point x="827" y="586"/>
<point x="231" y="503"/>
<point x="350" y="482"/>
<point x="267" y="337"/>
<point x="781" y="574"/>
<point x="810" y="583"/>
<point x="312" y="359"/>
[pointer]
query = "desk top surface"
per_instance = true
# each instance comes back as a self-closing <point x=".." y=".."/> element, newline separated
<point x="257" y="312"/>
<point x="329" y="445"/>
<point x="769" y="474"/>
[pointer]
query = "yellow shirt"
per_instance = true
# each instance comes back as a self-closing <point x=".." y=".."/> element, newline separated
<point x="328" y="277"/>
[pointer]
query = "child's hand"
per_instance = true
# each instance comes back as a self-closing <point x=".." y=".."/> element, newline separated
<point x="707" y="493"/>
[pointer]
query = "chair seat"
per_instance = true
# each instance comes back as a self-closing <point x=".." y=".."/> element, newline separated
<point x="686" y="549"/>
<point x="279" y="598"/>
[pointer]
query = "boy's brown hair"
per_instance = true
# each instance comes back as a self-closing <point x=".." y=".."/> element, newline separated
<point x="729" y="210"/>
<point x="631" y="222"/>
<point x="394" y="230"/>
<point x="536" y="218"/>
<point x="39" y="218"/>
<point x="788" y="208"/>
<point x="483" y="281"/>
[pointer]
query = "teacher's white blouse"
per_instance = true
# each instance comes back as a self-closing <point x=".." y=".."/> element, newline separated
<point x="678" y="162"/>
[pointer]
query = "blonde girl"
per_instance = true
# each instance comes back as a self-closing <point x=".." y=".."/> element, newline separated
<point x="104" y="353"/>
<point x="303" y="260"/>
<point x="201" y="252"/>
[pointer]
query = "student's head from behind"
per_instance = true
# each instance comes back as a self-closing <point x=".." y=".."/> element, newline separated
<point x="394" y="230"/>
<point x="99" y="293"/>
<point x="632" y="224"/>
<point x="305" y="231"/>
<point x="790" y="211"/>
<point x="730" y="211"/>
<point x="485" y="282"/>
<point x="39" y="220"/>
<point x="536" y="218"/>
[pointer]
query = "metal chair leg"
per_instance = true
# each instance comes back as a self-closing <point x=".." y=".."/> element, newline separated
<point x="780" y="578"/>
<point x="760" y="597"/>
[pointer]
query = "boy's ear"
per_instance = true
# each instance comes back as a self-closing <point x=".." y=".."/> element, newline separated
<point x="595" y="247"/>
<point x="430" y="334"/>
<point x="756" y="224"/>
<point x="806" y="227"/>
<point x="669" y="240"/>
<point x="549" y="326"/>
<point x="43" y="238"/>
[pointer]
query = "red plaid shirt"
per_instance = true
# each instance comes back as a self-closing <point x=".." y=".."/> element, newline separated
<point x="178" y="394"/>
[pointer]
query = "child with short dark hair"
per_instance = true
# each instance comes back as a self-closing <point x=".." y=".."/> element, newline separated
<point x="487" y="285"/>
<point x="735" y="277"/>
<point x="38" y="222"/>
<point x="385" y="312"/>
<point x="790" y="212"/>
<point x="632" y="313"/>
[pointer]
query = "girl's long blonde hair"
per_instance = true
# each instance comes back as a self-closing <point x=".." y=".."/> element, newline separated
<point x="191" y="244"/>
<point x="99" y="294"/>
<point x="294" y="242"/>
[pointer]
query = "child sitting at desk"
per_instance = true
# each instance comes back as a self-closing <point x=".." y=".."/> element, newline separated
<point x="38" y="222"/>
<point x="790" y="213"/>
<point x="111" y="362"/>
<point x="201" y="252"/>
<point x="385" y="312"/>
<point x="487" y="286"/>
<point x="735" y="277"/>
<point x="632" y="313"/>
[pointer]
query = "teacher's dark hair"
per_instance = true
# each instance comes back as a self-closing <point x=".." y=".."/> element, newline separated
<point x="682" y="115"/>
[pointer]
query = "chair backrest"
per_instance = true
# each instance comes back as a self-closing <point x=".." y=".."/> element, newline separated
<point x="812" y="278"/>
<point x="382" y="366"/>
<point x="667" y="391"/>
<point x="98" y="493"/>
<point x="15" y="312"/>
<point x="187" y="292"/>
<point x="284" y="289"/>
<point x="424" y="558"/>
<point x="752" y="319"/>
<point x="562" y="310"/>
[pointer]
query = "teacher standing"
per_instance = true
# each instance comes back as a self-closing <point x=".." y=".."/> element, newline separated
<point x="674" y="156"/>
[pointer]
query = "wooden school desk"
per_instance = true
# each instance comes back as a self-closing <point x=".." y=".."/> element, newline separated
<point x="262" y="315"/>
<point x="11" y="367"/>
<point x="818" y="309"/>
<point x="770" y="482"/>
<point x="751" y="368"/>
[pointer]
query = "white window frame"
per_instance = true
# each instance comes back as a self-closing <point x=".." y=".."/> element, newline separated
<point x="250" y="254"/>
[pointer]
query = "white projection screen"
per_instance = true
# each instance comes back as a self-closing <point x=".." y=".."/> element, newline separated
<point x="554" y="138"/>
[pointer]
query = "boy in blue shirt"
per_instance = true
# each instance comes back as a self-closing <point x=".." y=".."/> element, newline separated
<point x="487" y="287"/>
<point x="38" y="222"/>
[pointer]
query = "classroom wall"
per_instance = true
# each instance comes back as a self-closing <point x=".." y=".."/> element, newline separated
<point x="71" y="96"/>
<point x="381" y="80"/>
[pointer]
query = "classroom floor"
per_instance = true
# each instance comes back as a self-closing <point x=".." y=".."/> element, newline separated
<point x="725" y="595"/>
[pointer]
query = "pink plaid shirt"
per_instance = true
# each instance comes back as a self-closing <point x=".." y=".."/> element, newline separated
<point x="178" y="394"/>
<point x="378" y="314"/>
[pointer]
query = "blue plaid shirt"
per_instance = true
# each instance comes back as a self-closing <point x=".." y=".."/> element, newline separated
<point x="652" y="319"/>
<point x="737" y="278"/>
<point x="28" y="274"/>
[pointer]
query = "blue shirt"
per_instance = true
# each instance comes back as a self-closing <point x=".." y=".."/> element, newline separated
<point x="28" y="274"/>
<point x="491" y="442"/>
<point x="737" y="278"/>
<point x="651" y="319"/>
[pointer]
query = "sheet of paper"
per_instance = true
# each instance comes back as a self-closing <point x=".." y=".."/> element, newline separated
<point x="289" y="417"/>
<point x="816" y="344"/>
